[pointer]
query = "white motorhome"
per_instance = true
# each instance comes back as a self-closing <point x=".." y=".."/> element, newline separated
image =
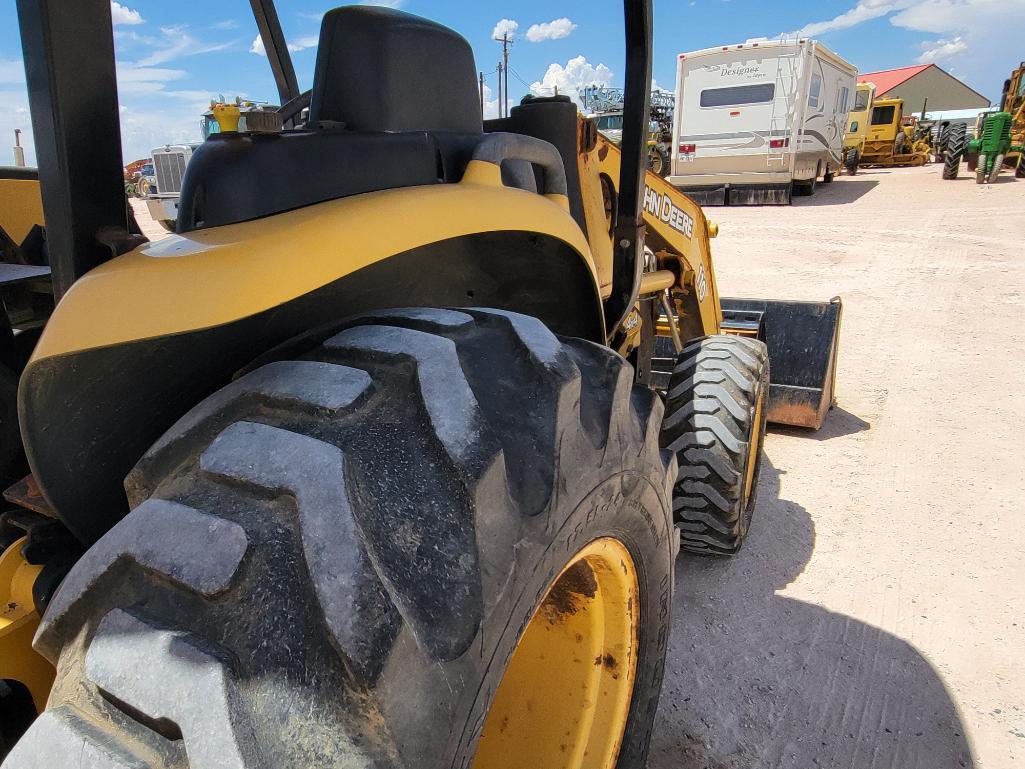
<point x="760" y="121"/>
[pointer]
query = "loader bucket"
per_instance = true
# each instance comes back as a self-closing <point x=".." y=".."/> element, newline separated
<point x="803" y="339"/>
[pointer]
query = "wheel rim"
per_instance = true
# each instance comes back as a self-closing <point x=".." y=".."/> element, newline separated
<point x="752" y="450"/>
<point x="565" y="696"/>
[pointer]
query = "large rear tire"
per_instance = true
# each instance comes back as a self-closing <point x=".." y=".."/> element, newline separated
<point x="956" y="138"/>
<point x="715" y="424"/>
<point x="658" y="161"/>
<point x="342" y="559"/>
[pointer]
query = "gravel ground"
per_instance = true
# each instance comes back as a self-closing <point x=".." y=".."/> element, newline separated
<point x="876" y="617"/>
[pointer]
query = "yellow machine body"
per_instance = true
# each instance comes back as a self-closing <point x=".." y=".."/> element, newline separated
<point x="1014" y="103"/>
<point x="859" y="117"/>
<point x="890" y="140"/>
<point x="21" y="207"/>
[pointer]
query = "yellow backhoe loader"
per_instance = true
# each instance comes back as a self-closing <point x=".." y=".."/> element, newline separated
<point x="403" y="426"/>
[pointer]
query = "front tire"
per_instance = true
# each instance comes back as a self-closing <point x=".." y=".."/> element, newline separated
<point x="341" y="559"/>
<point x="851" y="161"/>
<point x="715" y="424"/>
<point x="998" y="163"/>
<point x="980" y="170"/>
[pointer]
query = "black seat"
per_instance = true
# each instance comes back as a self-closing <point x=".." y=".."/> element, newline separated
<point x="379" y="119"/>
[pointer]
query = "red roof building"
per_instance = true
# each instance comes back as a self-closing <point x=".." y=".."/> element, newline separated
<point x="924" y="84"/>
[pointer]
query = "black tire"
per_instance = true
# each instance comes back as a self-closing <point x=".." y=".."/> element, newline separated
<point x="805" y="188"/>
<point x="329" y="561"/>
<point x="715" y="403"/>
<point x="658" y="161"/>
<point x="11" y="453"/>
<point x="980" y="169"/>
<point x="827" y="177"/>
<point x="17" y="711"/>
<point x="998" y="163"/>
<point x="1019" y="170"/>
<point x="956" y="139"/>
<point x="851" y="161"/>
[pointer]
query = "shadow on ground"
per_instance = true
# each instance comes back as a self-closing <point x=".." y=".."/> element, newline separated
<point x="837" y="193"/>
<point x="757" y="680"/>
<point x="838" y="423"/>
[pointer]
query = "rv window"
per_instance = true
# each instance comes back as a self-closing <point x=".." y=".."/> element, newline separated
<point x="883" y="115"/>
<point x="736" y="95"/>
<point x="841" y="101"/>
<point x="815" y="90"/>
<point x="861" y="101"/>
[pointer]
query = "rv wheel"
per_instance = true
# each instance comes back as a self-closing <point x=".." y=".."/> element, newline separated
<point x="805" y="187"/>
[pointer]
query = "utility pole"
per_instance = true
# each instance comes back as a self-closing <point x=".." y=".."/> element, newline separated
<point x="19" y="151"/>
<point x="504" y="67"/>
<point x="480" y="80"/>
<point x="500" y="111"/>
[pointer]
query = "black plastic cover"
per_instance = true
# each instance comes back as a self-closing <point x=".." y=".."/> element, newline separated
<point x="379" y="69"/>
<point x="235" y="177"/>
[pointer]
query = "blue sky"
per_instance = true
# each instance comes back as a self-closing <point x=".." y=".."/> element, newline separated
<point x="173" y="56"/>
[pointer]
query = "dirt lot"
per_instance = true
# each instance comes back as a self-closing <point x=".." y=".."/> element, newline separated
<point x="877" y="615"/>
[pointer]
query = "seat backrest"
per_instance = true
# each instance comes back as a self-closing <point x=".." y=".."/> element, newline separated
<point x="394" y="104"/>
<point x="379" y="69"/>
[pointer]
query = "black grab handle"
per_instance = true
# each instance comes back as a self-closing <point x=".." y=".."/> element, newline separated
<point x="498" y="147"/>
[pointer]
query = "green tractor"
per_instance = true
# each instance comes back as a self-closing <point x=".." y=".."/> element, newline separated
<point x="985" y="153"/>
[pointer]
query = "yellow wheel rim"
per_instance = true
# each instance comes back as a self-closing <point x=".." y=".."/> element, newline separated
<point x="565" y="695"/>
<point x="18" y="623"/>
<point x="752" y="450"/>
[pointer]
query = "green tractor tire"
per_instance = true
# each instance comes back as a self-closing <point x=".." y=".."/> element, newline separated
<point x="998" y="163"/>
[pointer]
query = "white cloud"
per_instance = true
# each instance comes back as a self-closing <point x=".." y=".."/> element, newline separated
<point x="301" y="44"/>
<point x="491" y="104"/>
<point x="121" y="14"/>
<point x="12" y="72"/>
<point x="864" y="11"/>
<point x="569" y="79"/>
<point x="176" y="42"/>
<point x="550" y="30"/>
<point x="981" y="38"/>
<point x="15" y="114"/>
<point x="505" y="26"/>
<point x="938" y="50"/>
